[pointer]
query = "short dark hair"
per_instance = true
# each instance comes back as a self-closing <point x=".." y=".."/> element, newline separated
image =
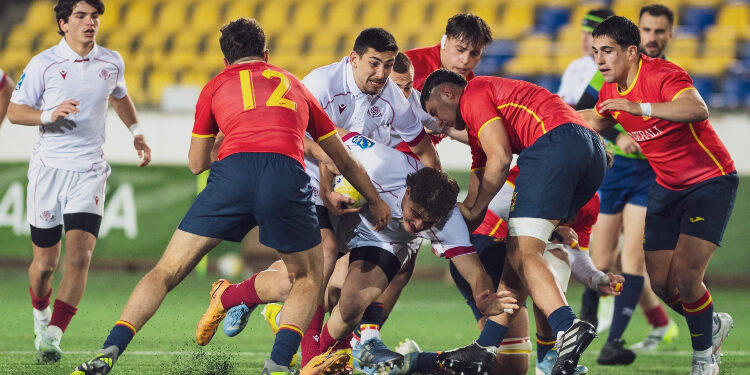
<point x="469" y="27"/>
<point x="437" y="77"/>
<point x="657" y="10"/>
<point x="434" y="191"/>
<point x="64" y="9"/>
<point x="243" y="37"/>
<point x="402" y="64"/>
<point x="594" y="17"/>
<point x="622" y="30"/>
<point x="376" y="38"/>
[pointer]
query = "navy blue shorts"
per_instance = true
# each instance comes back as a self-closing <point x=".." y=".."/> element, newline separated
<point x="628" y="181"/>
<point x="701" y="211"/>
<point x="248" y="189"/>
<point x="558" y="174"/>
<point x="492" y="255"/>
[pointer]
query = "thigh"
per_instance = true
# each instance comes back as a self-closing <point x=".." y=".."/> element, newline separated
<point x="44" y="196"/>
<point x="183" y="252"/>
<point x="377" y="260"/>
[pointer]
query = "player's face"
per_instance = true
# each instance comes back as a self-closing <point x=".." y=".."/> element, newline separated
<point x="371" y="70"/>
<point x="82" y="25"/>
<point x="460" y="56"/>
<point x="587" y="40"/>
<point x="443" y="107"/>
<point x="404" y="81"/>
<point x="415" y="218"/>
<point x="612" y="60"/>
<point x="656" y="32"/>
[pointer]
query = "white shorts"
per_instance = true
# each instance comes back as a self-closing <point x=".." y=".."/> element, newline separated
<point x="53" y="192"/>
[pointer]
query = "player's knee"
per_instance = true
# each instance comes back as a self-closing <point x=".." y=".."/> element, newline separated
<point x="513" y="356"/>
<point x="540" y="229"/>
<point x="44" y="267"/>
<point x="78" y="260"/>
<point x="352" y="310"/>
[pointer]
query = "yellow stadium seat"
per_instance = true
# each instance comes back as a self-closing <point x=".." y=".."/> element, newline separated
<point x="576" y="17"/>
<point x="110" y="20"/>
<point x="153" y="41"/>
<point x="376" y="14"/>
<point x="628" y="9"/>
<point x="179" y="59"/>
<point x="486" y="10"/>
<point x="134" y="83"/>
<point x="205" y="17"/>
<point x="274" y="17"/>
<point x="158" y="80"/>
<point x="711" y="66"/>
<point x="685" y="62"/>
<point x="528" y="66"/>
<point x="535" y="45"/>
<point x="120" y="42"/>
<point x="308" y="16"/>
<point x="139" y="16"/>
<point x="720" y="33"/>
<point x="289" y="41"/>
<point x="444" y="10"/>
<point x="720" y="48"/>
<point x="517" y="18"/>
<point x="736" y="15"/>
<point x="241" y="9"/>
<point x="21" y="38"/>
<point x="195" y="77"/>
<point x="48" y="39"/>
<point x="328" y="44"/>
<point x="211" y="61"/>
<point x="15" y="60"/>
<point x="705" y="3"/>
<point x="342" y="16"/>
<point x="561" y="62"/>
<point x="40" y="16"/>
<point x="683" y="46"/>
<point x="411" y="16"/>
<point x="172" y="16"/>
<point x="570" y="33"/>
<point x="188" y="40"/>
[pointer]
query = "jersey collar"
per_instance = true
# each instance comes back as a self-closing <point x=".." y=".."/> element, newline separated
<point x="65" y="51"/>
<point x="632" y="84"/>
<point x="350" y="82"/>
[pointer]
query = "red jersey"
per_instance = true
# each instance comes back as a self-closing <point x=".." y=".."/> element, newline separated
<point x="426" y="60"/>
<point x="260" y="108"/>
<point x="527" y="111"/>
<point x="681" y="155"/>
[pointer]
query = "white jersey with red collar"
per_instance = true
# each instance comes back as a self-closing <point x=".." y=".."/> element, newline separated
<point x="59" y="74"/>
<point x="388" y="168"/>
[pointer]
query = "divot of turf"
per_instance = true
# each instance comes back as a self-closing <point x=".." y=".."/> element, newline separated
<point x="200" y="363"/>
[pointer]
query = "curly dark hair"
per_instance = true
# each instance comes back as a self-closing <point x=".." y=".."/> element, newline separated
<point x="243" y="37"/>
<point x="433" y="190"/>
<point x="622" y="30"/>
<point x="64" y="9"/>
<point x="436" y="78"/>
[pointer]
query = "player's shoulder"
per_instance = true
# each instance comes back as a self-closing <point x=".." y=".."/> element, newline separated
<point x="44" y="59"/>
<point x="660" y="68"/>
<point x="481" y="84"/>
<point x="329" y="75"/>
<point x="423" y="53"/>
<point x="109" y="55"/>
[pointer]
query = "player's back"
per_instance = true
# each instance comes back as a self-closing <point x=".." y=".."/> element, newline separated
<point x="260" y="108"/>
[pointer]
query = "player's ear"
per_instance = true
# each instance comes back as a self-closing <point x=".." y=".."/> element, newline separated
<point x="354" y="58"/>
<point x="446" y="91"/>
<point x="265" y="55"/>
<point x="226" y="62"/>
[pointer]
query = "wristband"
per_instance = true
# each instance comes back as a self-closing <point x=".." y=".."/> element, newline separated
<point x="646" y="109"/>
<point x="46" y="117"/>
<point x="135" y="129"/>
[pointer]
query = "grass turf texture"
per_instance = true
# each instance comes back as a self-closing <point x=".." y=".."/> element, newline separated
<point x="166" y="345"/>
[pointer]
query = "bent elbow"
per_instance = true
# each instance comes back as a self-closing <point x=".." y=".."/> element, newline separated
<point x="703" y="113"/>
<point x="196" y="168"/>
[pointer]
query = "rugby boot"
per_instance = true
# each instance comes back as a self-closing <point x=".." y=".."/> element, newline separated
<point x="329" y="363"/>
<point x="49" y="347"/>
<point x="41" y="321"/>
<point x="271" y="368"/>
<point x="407" y="346"/>
<point x="545" y="366"/>
<point x="236" y="319"/>
<point x="271" y="313"/>
<point x="615" y="353"/>
<point x="101" y="364"/>
<point x="657" y="335"/>
<point x="722" y="323"/>
<point x="374" y="354"/>
<point x="705" y="366"/>
<point x="570" y="345"/>
<point x="472" y="359"/>
<point x="215" y="313"/>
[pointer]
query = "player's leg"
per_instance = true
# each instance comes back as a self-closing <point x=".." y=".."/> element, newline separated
<point x="515" y="350"/>
<point x="605" y="239"/>
<point x="46" y="254"/>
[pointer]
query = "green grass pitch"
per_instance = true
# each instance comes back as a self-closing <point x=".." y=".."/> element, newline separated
<point x="430" y="312"/>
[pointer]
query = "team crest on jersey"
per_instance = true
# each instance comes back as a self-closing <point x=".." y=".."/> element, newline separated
<point x="20" y="81"/>
<point x="375" y="112"/>
<point x="46" y="216"/>
<point x="104" y="74"/>
<point x="362" y="142"/>
<point x="63" y="73"/>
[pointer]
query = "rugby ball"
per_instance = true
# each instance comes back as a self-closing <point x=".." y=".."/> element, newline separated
<point x="343" y="187"/>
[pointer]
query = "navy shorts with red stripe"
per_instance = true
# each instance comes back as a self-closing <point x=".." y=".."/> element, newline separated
<point x="249" y="189"/>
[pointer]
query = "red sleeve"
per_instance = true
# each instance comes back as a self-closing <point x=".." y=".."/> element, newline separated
<point x="477" y="107"/>
<point x="585" y="221"/>
<point x="602" y="97"/>
<point x="320" y="126"/>
<point x="675" y="82"/>
<point x="205" y="124"/>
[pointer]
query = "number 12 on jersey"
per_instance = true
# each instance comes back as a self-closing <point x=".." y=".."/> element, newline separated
<point x="276" y="99"/>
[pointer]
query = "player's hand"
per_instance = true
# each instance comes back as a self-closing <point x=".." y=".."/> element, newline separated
<point x="569" y="236"/>
<point x="611" y="284"/>
<point x="490" y="304"/>
<point x="473" y="219"/>
<point x="144" y="152"/>
<point x="621" y="104"/>
<point x="338" y="204"/>
<point x="65" y="109"/>
<point x="627" y="144"/>
<point x="380" y="212"/>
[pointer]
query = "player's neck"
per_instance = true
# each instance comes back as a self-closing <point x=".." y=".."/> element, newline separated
<point x="632" y="76"/>
<point x="249" y="59"/>
<point x="82" y="49"/>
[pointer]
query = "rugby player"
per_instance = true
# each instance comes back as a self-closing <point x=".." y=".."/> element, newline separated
<point x="259" y="179"/>
<point x="696" y="182"/>
<point x="65" y="91"/>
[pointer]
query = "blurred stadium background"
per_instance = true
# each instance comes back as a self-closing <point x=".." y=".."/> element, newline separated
<point x="170" y="48"/>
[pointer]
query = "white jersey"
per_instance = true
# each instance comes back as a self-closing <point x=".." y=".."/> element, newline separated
<point x="388" y="169"/>
<point x="374" y="116"/>
<point x="576" y="78"/>
<point x="59" y="74"/>
<point x="427" y="121"/>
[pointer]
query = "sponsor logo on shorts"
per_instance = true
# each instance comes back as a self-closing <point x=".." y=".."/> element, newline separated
<point x="96" y="200"/>
<point x="362" y="142"/>
<point x="104" y="74"/>
<point x="375" y="112"/>
<point x="46" y="216"/>
<point x="20" y="81"/>
<point x="696" y="219"/>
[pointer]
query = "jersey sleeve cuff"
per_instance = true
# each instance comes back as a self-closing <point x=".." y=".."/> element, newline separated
<point x="487" y="123"/>
<point x="204" y="135"/>
<point x="675" y="95"/>
<point x="329" y="134"/>
<point x="458" y="251"/>
<point x="416" y="139"/>
<point x="598" y="114"/>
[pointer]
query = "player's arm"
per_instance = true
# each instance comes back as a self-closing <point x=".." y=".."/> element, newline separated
<point x="22" y="114"/>
<point x="687" y="106"/>
<point x="598" y="122"/>
<point x="496" y="146"/>
<point x="488" y="301"/>
<point x="199" y="154"/>
<point x="6" y="90"/>
<point x="356" y="175"/>
<point x="426" y="153"/>
<point x="335" y="202"/>
<point x="125" y="110"/>
<point x="459" y="135"/>
<point x="582" y="268"/>
<point x="313" y="150"/>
